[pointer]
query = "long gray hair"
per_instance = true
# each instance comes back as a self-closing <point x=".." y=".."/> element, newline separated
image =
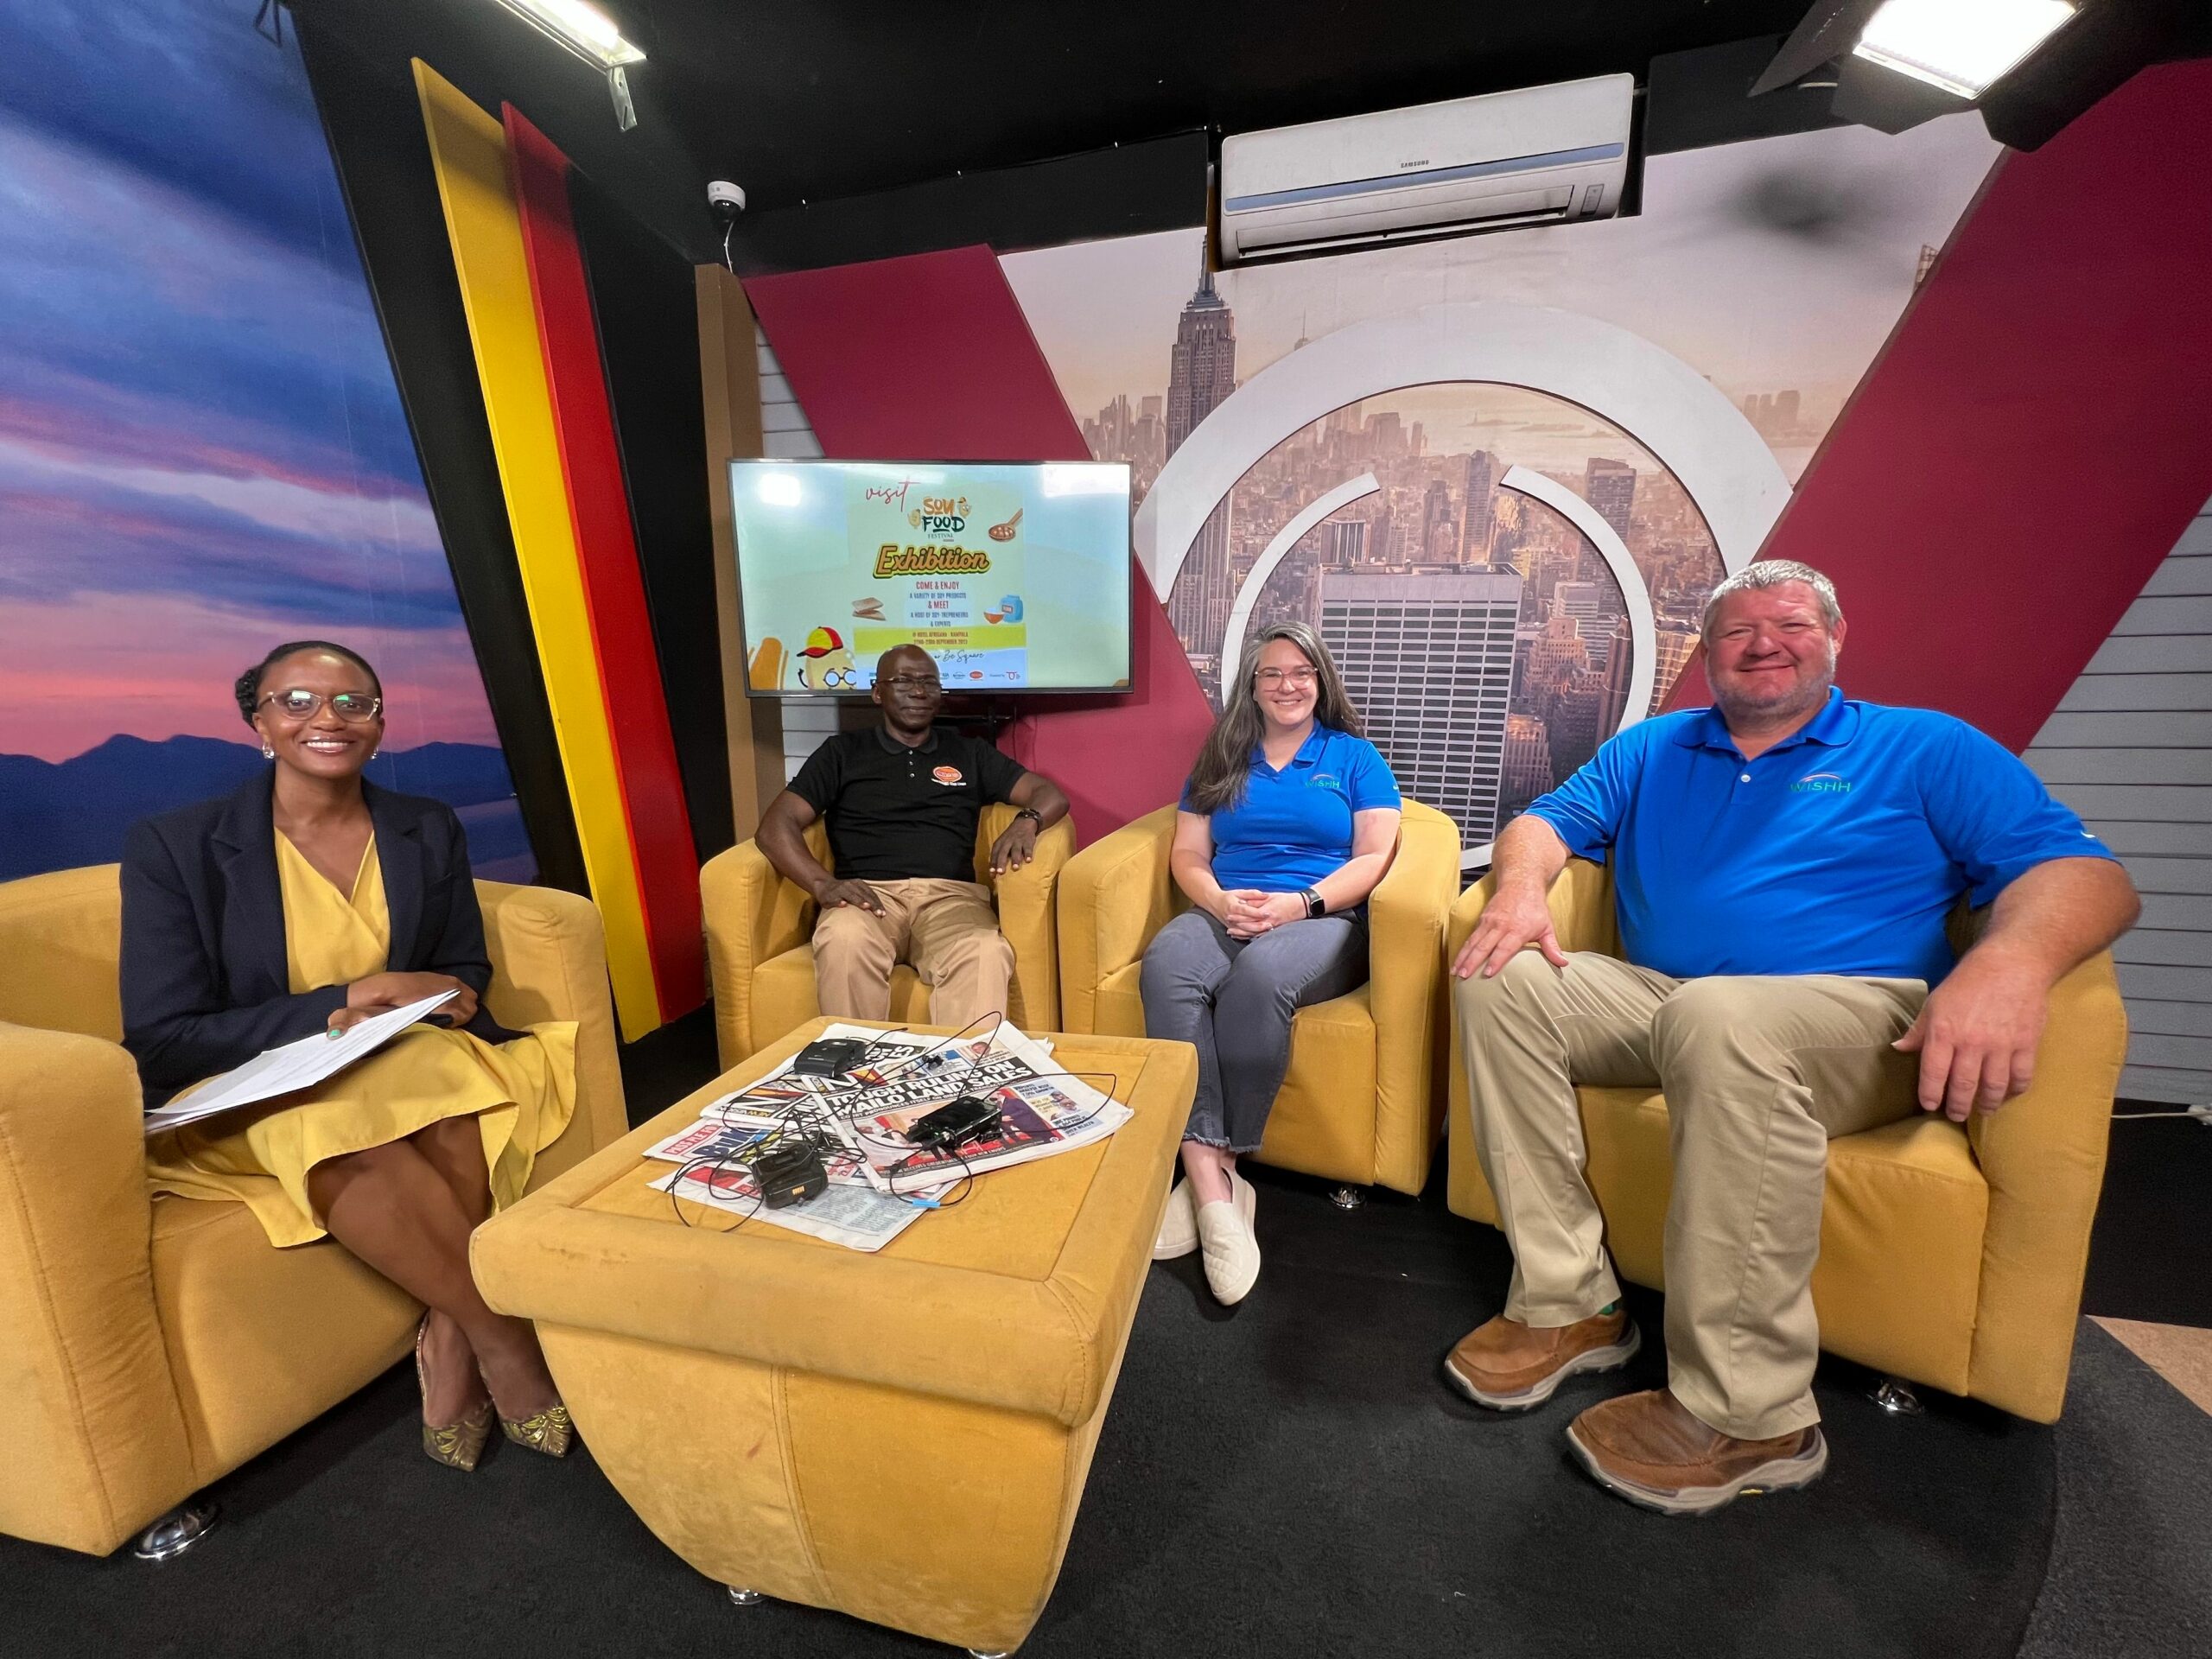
<point x="1217" y="780"/>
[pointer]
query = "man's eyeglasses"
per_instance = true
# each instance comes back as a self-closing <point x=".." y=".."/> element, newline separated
<point x="1300" y="678"/>
<point x="915" y="681"/>
<point x="354" y="707"/>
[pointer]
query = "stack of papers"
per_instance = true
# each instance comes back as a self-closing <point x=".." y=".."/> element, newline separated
<point x="294" y="1067"/>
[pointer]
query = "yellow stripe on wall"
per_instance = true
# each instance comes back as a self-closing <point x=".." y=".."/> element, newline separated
<point x="470" y="154"/>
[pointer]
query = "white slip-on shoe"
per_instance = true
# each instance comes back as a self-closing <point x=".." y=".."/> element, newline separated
<point x="1179" y="1223"/>
<point x="1178" y="1226"/>
<point x="1232" y="1254"/>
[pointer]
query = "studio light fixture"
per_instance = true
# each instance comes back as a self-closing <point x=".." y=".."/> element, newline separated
<point x="1963" y="47"/>
<point x="591" y="35"/>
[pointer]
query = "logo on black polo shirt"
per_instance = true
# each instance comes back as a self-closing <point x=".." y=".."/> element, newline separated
<point x="1820" y="782"/>
<point x="948" y="775"/>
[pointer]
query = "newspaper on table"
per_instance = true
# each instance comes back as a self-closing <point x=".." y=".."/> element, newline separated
<point x="879" y="1181"/>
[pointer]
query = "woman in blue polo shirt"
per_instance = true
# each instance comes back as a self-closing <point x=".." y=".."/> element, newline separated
<point x="1289" y="819"/>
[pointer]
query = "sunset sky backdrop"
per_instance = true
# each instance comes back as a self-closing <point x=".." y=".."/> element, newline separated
<point x="202" y="450"/>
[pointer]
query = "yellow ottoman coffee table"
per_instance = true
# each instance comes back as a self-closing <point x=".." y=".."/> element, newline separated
<point x="902" y="1436"/>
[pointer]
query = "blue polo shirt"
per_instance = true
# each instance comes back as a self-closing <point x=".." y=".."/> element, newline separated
<point x="1839" y="850"/>
<point x="1295" y="826"/>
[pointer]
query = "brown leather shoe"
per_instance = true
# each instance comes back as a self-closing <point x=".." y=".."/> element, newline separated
<point x="1509" y="1366"/>
<point x="1648" y="1449"/>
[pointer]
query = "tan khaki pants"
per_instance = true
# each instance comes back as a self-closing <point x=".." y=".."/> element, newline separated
<point x="1759" y="1073"/>
<point x="946" y="930"/>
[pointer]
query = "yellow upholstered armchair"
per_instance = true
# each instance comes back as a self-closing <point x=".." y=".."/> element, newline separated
<point x="760" y="929"/>
<point x="148" y="1345"/>
<point x="1951" y="1257"/>
<point x="1362" y="1099"/>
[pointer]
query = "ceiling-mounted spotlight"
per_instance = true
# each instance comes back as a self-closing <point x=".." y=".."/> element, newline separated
<point x="1964" y="47"/>
<point x="591" y="35"/>
<point x="1896" y="63"/>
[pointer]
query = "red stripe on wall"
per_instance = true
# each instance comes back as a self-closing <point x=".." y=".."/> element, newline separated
<point x="931" y="358"/>
<point x="2039" y="430"/>
<point x="637" y="708"/>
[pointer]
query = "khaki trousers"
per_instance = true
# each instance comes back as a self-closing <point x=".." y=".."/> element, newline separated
<point x="946" y="930"/>
<point x="1759" y="1073"/>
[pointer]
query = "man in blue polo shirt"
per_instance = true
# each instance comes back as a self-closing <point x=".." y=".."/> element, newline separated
<point x="1783" y="862"/>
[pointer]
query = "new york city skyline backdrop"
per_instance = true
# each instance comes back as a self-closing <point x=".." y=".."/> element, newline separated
<point x="1775" y="269"/>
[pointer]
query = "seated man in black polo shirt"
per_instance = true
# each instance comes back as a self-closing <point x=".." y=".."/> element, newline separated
<point x="903" y="799"/>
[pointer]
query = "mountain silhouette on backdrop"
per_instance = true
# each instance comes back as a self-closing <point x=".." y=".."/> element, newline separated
<point x="55" y="816"/>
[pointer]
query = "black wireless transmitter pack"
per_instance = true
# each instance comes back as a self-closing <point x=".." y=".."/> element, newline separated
<point x="790" y="1173"/>
<point x="960" y="1120"/>
<point x="830" y="1057"/>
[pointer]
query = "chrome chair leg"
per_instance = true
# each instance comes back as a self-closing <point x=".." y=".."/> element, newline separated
<point x="1895" y="1396"/>
<point x="739" y="1598"/>
<point x="175" y="1532"/>
<point x="1348" y="1197"/>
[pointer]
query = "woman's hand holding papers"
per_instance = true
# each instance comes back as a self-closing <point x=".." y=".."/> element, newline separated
<point x="380" y="992"/>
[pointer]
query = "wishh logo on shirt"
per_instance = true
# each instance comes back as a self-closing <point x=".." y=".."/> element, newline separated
<point x="1820" y="782"/>
<point x="948" y="775"/>
<point x="1325" y="780"/>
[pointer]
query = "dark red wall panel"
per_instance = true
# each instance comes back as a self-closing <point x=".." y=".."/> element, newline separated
<point x="931" y="358"/>
<point x="2039" y="430"/>
<point x="591" y="463"/>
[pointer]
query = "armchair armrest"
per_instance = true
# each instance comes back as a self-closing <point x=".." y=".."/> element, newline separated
<point x="1405" y="976"/>
<point x="753" y="916"/>
<point x="548" y="961"/>
<point x="1114" y="895"/>
<point x="92" y="1436"/>
<point x="1581" y="903"/>
<point x="2044" y="1156"/>
<point x="1028" y="912"/>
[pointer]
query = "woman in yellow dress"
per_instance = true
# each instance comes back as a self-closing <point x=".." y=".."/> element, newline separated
<point x="306" y="901"/>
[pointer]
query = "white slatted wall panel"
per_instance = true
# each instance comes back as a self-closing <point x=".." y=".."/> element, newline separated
<point x="2131" y="750"/>
<point x="786" y="434"/>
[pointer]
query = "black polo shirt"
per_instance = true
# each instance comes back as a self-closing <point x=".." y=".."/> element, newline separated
<point x="896" y="813"/>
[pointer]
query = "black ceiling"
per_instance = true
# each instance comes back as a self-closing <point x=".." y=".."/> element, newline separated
<point x="814" y="100"/>
<point x="809" y="100"/>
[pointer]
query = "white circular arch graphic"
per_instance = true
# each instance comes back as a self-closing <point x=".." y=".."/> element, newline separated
<point x="1674" y="413"/>
<point x="1647" y="391"/>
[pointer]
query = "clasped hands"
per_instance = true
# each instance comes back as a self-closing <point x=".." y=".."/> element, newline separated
<point x="1976" y="1034"/>
<point x="381" y="992"/>
<point x="1246" y="912"/>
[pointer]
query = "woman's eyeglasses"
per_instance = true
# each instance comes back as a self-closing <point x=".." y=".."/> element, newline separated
<point x="354" y="707"/>
<point x="1297" y="678"/>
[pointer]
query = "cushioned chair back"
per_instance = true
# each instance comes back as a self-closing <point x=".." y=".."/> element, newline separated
<point x="61" y="937"/>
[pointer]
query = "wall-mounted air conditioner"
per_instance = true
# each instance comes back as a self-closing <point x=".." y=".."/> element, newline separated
<point x="1541" y="155"/>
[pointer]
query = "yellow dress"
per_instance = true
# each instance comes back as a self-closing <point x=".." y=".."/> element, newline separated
<point x="522" y="1094"/>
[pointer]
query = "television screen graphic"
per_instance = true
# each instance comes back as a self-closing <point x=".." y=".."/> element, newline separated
<point x="1014" y="577"/>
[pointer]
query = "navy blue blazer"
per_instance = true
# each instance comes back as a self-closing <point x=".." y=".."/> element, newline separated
<point x="205" y="986"/>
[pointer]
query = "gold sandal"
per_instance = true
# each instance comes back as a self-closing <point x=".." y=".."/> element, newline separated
<point x="549" y="1431"/>
<point x="457" y="1445"/>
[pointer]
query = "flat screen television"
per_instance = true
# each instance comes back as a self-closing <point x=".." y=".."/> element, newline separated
<point x="1014" y="577"/>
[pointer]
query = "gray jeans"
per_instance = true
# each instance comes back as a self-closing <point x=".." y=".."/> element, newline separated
<point x="1232" y="999"/>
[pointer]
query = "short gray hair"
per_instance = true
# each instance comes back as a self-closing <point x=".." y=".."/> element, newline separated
<point x="1772" y="573"/>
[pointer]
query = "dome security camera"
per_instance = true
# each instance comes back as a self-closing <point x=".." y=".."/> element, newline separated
<point x="726" y="200"/>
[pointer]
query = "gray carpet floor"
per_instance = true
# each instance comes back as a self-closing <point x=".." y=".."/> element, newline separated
<point x="2130" y="1560"/>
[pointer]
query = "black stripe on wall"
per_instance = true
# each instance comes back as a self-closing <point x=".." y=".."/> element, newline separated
<point x="642" y="297"/>
<point x="374" y="125"/>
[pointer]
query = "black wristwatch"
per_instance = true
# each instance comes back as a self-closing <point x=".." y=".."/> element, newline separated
<point x="1315" y="906"/>
<point x="1030" y="813"/>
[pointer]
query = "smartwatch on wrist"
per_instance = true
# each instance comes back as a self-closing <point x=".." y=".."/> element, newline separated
<point x="1314" y="903"/>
